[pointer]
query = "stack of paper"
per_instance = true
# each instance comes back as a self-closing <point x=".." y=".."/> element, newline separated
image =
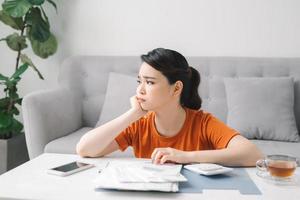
<point x="143" y="176"/>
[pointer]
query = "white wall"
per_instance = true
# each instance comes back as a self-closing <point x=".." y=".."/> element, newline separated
<point x="264" y="28"/>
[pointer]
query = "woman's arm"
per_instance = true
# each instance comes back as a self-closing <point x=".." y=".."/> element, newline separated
<point x="100" y="141"/>
<point x="239" y="152"/>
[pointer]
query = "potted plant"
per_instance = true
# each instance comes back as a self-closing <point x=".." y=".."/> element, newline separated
<point x="30" y="23"/>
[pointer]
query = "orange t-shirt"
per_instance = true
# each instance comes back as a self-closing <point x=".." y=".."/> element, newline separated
<point x="200" y="131"/>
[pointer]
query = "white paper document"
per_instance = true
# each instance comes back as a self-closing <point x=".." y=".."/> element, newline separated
<point x="140" y="175"/>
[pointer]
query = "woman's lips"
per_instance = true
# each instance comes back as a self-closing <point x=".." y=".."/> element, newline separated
<point x="140" y="100"/>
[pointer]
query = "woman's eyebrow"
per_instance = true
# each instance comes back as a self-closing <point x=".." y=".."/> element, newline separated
<point x="147" y="77"/>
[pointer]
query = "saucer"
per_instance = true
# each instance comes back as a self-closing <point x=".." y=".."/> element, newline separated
<point x="292" y="180"/>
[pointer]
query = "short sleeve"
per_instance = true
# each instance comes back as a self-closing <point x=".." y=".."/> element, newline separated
<point x="126" y="137"/>
<point x="218" y="132"/>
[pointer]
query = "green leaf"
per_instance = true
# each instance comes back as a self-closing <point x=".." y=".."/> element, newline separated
<point x="39" y="28"/>
<point x="53" y="4"/>
<point x="14" y="127"/>
<point x="44" y="15"/>
<point x="16" y="42"/>
<point x="26" y="59"/>
<point x="15" y="23"/>
<point x="13" y="94"/>
<point x="8" y="83"/>
<point x="17" y="126"/>
<point x="45" y="49"/>
<point x="2" y="77"/>
<point x="16" y="8"/>
<point x="4" y="102"/>
<point x="15" y="111"/>
<point x="15" y="81"/>
<point x="36" y="2"/>
<point x="5" y="120"/>
<point x="19" y="101"/>
<point x="19" y="71"/>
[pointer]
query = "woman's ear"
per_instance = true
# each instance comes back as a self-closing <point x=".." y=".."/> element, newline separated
<point x="178" y="86"/>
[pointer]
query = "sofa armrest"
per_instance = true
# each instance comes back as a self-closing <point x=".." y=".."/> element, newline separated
<point x="48" y="115"/>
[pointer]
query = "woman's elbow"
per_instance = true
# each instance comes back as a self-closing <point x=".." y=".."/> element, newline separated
<point x="253" y="154"/>
<point x="259" y="154"/>
<point x="85" y="152"/>
<point x="80" y="150"/>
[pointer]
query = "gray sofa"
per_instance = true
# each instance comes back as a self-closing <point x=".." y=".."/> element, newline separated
<point x="54" y="120"/>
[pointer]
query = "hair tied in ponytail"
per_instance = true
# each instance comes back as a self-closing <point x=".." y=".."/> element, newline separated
<point x="190" y="71"/>
<point x="175" y="67"/>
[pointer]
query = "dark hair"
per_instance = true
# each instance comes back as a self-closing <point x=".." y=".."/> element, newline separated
<point x="175" y="67"/>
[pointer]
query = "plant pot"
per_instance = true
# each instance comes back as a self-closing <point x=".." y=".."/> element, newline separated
<point x="13" y="152"/>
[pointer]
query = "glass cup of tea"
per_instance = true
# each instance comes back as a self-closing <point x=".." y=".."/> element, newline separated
<point x="277" y="167"/>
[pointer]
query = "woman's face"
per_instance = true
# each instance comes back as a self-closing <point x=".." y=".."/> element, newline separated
<point x="154" y="90"/>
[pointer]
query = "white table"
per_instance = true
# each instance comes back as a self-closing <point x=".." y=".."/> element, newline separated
<point x="30" y="181"/>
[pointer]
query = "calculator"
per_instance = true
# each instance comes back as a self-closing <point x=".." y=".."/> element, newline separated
<point x="208" y="169"/>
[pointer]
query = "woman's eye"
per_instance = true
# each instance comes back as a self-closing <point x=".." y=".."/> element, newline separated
<point x="150" y="82"/>
<point x="138" y="81"/>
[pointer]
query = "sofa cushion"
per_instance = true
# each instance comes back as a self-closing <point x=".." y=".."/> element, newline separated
<point x="120" y="88"/>
<point x="66" y="144"/>
<point x="262" y="108"/>
<point x="269" y="147"/>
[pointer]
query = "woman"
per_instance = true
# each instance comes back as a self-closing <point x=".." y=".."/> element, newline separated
<point x="165" y="123"/>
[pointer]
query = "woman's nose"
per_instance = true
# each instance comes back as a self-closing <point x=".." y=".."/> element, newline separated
<point x="140" y="89"/>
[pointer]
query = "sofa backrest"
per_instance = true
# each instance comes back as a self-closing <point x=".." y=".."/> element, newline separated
<point x="88" y="77"/>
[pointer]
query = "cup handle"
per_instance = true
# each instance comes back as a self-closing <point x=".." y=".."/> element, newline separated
<point x="261" y="165"/>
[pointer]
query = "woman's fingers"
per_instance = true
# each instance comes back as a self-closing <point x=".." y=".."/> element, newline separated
<point x="158" y="156"/>
<point x="134" y="102"/>
<point x="169" y="155"/>
<point x="158" y="153"/>
<point x="153" y="154"/>
<point x="166" y="158"/>
<point x="135" y="105"/>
